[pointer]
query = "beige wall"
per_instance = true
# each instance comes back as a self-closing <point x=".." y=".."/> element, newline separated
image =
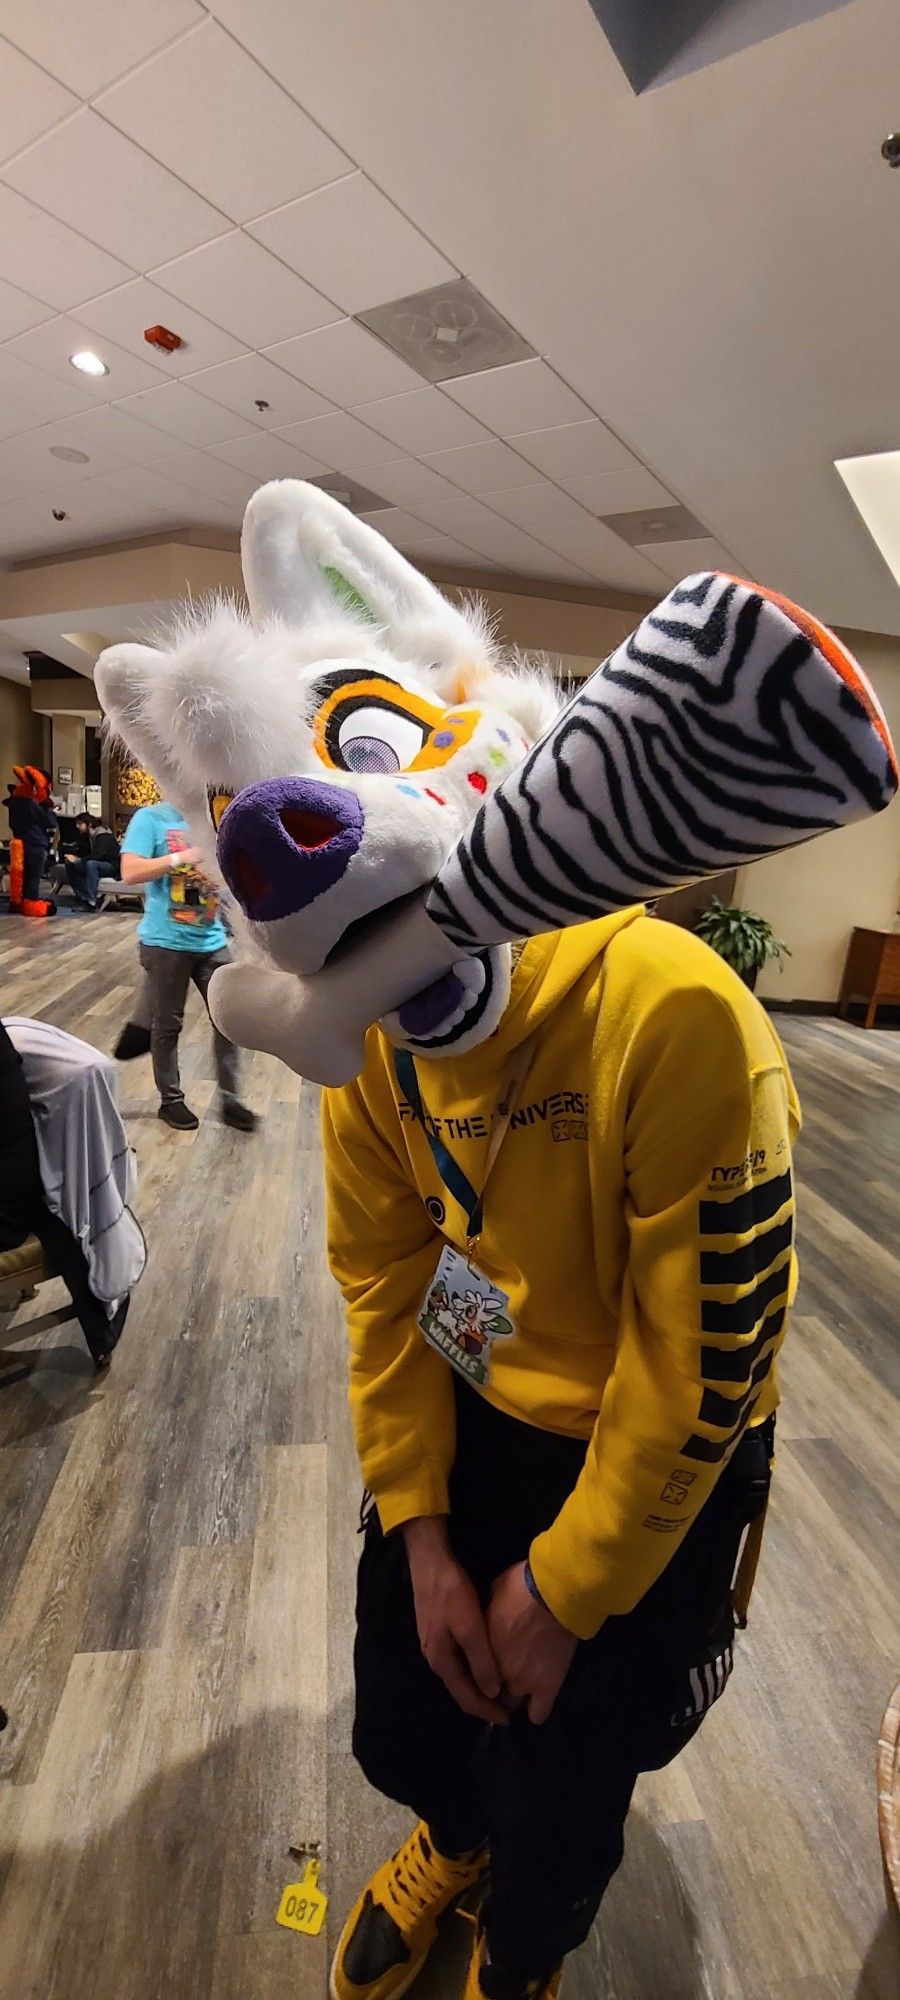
<point x="68" y="747"/>
<point x="815" y="895"/>
<point x="21" y="731"/>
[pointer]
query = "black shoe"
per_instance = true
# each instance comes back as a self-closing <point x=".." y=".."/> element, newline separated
<point x="101" y="1344"/>
<point x="179" y="1115"/>
<point x="133" y="1041"/>
<point x="239" y="1115"/>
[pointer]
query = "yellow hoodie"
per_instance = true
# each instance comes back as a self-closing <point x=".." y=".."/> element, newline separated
<point x="639" y="1218"/>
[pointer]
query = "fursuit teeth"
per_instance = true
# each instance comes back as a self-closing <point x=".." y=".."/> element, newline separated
<point x="730" y="725"/>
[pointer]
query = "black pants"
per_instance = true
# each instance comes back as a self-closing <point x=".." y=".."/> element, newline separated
<point x="551" y="1800"/>
<point x="23" y="1210"/>
<point x="168" y="974"/>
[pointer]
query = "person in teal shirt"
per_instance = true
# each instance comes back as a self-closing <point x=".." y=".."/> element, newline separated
<point x="182" y="940"/>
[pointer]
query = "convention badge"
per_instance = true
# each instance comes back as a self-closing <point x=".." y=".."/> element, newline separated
<point x="462" y="1314"/>
<point x="303" y="1905"/>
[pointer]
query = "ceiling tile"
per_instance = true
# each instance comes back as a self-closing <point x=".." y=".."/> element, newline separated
<point x="568" y="451"/>
<point x="603" y="554"/>
<point x="438" y="548"/>
<point x="532" y="506"/>
<point x="681" y="559"/>
<point x="237" y="386"/>
<point x="483" y="468"/>
<point x="207" y="111"/>
<point x="29" y="397"/>
<point x="246" y="290"/>
<point x="32" y="101"/>
<point x="353" y="244"/>
<point x="125" y="314"/>
<point x="109" y="428"/>
<point x="526" y="396"/>
<point x="190" y="418"/>
<point x="401" y="528"/>
<point x="341" y="442"/>
<point x="48" y="258"/>
<point x="209" y="476"/>
<point x="171" y="498"/>
<point x="464" y="516"/>
<point x="26" y="464"/>
<point x="269" y="457"/>
<point x="405" y="481"/>
<point x="344" y="363"/>
<point x="618" y="492"/>
<point x="422" y="421"/>
<point x="91" y="176"/>
<point x="97" y="511"/>
<point x="88" y="44"/>
<point x="18" y="311"/>
<point x="50" y="347"/>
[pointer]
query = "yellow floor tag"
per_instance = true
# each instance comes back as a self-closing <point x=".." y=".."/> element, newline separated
<point x="303" y="1905"/>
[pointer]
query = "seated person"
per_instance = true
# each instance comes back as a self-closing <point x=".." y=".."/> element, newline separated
<point x="67" y="1173"/>
<point x="94" y="858"/>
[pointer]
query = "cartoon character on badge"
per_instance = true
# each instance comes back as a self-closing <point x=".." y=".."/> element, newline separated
<point x="479" y="1321"/>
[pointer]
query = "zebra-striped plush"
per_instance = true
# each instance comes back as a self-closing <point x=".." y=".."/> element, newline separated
<point x="727" y="726"/>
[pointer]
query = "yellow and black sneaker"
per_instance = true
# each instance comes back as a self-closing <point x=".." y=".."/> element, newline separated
<point x="391" y="1929"/>
<point x="481" y="1984"/>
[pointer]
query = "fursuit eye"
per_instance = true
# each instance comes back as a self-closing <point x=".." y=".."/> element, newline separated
<point x="218" y="800"/>
<point x="375" y="741"/>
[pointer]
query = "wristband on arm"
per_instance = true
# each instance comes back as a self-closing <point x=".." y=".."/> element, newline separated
<point x="531" y="1586"/>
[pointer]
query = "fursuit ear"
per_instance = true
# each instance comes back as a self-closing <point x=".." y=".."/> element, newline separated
<point x="123" y="677"/>
<point x="306" y="556"/>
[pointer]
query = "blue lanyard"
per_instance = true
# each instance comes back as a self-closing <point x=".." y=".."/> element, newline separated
<point x="455" y="1181"/>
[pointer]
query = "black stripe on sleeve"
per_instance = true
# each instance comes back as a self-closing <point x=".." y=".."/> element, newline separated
<point x="724" y="1410"/>
<point x="741" y="1315"/>
<point x="736" y="1364"/>
<point x="742" y="1212"/>
<point x="712" y="1454"/>
<point x="737" y="1267"/>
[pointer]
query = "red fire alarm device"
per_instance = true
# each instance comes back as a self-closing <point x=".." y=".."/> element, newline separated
<point x="163" y="337"/>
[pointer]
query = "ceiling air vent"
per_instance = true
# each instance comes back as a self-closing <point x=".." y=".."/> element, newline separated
<point x="447" y="331"/>
<point x="350" y="493"/>
<point x="656" y="524"/>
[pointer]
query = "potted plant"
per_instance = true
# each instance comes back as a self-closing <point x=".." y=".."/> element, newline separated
<point x="744" y="940"/>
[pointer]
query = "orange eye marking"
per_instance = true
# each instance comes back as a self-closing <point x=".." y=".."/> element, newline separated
<point x="454" y="730"/>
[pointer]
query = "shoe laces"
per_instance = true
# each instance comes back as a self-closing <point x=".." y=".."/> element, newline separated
<point x="419" y="1877"/>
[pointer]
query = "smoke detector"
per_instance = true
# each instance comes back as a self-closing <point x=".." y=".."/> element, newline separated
<point x="447" y="331"/>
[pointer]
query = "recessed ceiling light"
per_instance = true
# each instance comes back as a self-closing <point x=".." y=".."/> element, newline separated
<point x="68" y="453"/>
<point x="88" y="362"/>
<point x="873" y="483"/>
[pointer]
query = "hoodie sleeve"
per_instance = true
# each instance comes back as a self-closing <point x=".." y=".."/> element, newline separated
<point x="709" y="1275"/>
<point x="383" y="1250"/>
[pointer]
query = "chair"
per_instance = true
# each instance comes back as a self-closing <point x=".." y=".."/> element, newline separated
<point x="21" y="1271"/>
<point x="111" y="890"/>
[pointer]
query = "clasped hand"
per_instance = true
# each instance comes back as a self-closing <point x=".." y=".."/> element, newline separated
<point x="514" y="1655"/>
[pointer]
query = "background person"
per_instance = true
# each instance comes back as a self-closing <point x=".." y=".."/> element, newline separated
<point x="182" y="940"/>
<point x="95" y="858"/>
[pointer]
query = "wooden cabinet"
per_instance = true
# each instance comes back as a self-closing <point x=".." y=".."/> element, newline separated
<point x="872" y="971"/>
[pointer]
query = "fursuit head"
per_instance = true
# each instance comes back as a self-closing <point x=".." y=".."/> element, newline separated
<point x="390" y="802"/>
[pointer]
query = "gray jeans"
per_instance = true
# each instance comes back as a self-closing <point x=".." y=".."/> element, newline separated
<point x="167" y="976"/>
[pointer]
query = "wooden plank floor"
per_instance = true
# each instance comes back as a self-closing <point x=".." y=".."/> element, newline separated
<point x="177" y="1551"/>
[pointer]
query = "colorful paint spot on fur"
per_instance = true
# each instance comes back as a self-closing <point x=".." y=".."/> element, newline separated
<point x="442" y="739"/>
<point x="503" y="735"/>
<point x="429" y="794"/>
<point x="478" y="781"/>
<point x="497" y="758"/>
<point x="412" y="791"/>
